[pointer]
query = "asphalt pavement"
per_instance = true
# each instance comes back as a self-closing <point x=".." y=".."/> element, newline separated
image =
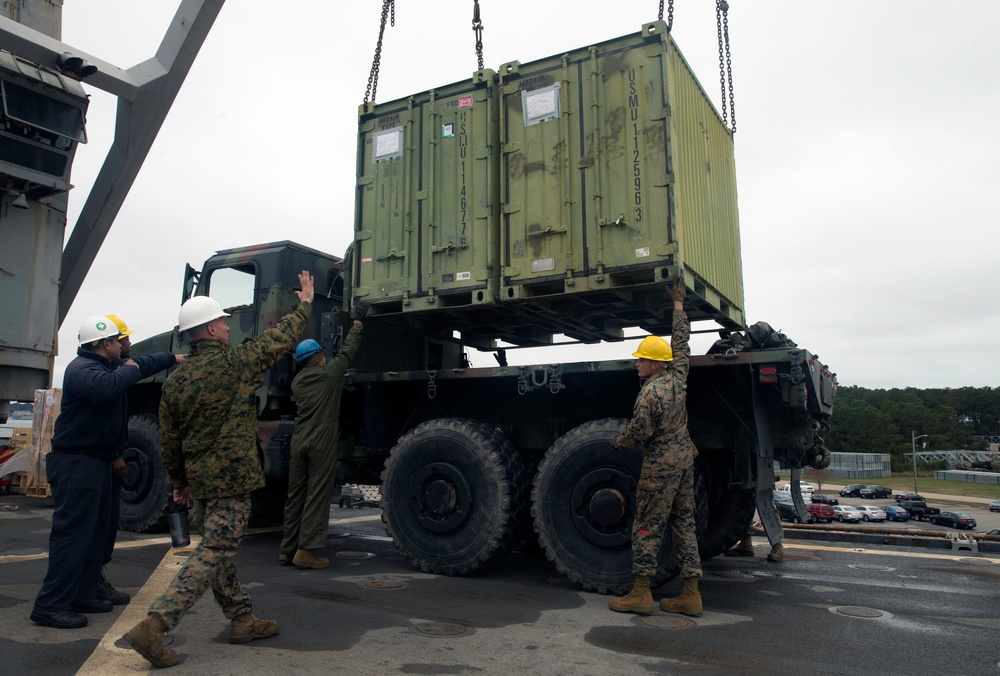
<point x="829" y="608"/>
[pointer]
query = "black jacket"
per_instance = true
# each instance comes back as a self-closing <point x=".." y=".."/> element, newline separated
<point x="93" y="419"/>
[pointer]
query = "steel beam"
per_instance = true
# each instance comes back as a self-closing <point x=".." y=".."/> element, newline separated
<point x="145" y="93"/>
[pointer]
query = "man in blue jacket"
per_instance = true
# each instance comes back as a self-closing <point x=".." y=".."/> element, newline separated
<point x="89" y="431"/>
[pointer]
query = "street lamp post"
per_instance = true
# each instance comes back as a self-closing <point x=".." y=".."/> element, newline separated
<point x="913" y="448"/>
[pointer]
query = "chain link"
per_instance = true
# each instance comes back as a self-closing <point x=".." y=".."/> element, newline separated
<point x="670" y="14"/>
<point x="725" y="63"/>
<point x="477" y="26"/>
<point x="387" y="7"/>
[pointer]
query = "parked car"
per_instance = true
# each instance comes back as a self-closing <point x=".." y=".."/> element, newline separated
<point x="825" y="499"/>
<point x="821" y="511"/>
<point x="875" y="492"/>
<point x="995" y="505"/>
<point x="851" y="490"/>
<point x="896" y="513"/>
<point x="995" y="531"/>
<point x="787" y="512"/>
<point x="954" y="520"/>
<point x="919" y="509"/>
<point x="847" y="513"/>
<point x="870" y="513"/>
<point x="805" y="488"/>
<point x="781" y="497"/>
<point x="908" y="495"/>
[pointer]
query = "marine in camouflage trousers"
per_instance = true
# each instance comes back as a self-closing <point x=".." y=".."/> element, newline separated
<point x="223" y="523"/>
<point x="665" y="498"/>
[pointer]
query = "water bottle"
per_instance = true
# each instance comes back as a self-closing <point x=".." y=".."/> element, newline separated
<point x="179" y="527"/>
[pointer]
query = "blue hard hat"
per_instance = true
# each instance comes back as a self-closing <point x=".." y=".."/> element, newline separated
<point x="306" y="349"/>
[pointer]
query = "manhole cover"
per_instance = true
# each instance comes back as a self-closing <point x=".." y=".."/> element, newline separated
<point x="384" y="583"/>
<point x="440" y="629"/>
<point x="732" y="574"/>
<point x="667" y="622"/>
<point x="338" y="534"/>
<point x="354" y="555"/>
<point x="969" y="559"/>
<point x="183" y="552"/>
<point x="870" y="566"/>
<point x="858" y="611"/>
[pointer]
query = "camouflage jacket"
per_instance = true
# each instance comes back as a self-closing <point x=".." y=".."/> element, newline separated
<point x="317" y="397"/>
<point x="208" y="411"/>
<point x="659" y="418"/>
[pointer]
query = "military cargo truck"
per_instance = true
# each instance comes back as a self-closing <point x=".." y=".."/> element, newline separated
<point x="553" y="198"/>
<point x="471" y="458"/>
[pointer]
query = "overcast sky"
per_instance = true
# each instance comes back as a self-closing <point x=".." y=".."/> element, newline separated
<point x="866" y="151"/>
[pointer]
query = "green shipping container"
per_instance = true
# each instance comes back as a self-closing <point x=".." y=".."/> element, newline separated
<point x="617" y="173"/>
<point x="427" y="206"/>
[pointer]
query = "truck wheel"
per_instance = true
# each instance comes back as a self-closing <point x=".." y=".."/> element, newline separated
<point x="454" y="494"/>
<point x="729" y="510"/>
<point x="145" y="486"/>
<point x="583" y="504"/>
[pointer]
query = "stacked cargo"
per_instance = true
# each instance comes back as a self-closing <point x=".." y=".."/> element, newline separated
<point x="558" y="196"/>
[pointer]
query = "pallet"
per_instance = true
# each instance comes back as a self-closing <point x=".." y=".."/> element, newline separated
<point x="27" y="485"/>
<point x="20" y="437"/>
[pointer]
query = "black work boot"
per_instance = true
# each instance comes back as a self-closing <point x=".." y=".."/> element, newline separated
<point x="105" y="592"/>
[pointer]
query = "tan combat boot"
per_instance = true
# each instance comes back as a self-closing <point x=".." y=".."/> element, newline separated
<point x="307" y="558"/>
<point x="146" y="638"/>
<point x="744" y="548"/>
<point x="777" y="553"/>
<point x="639" y="600"/>
<point x="688" y="603"/>
<point x="247" y="628"/>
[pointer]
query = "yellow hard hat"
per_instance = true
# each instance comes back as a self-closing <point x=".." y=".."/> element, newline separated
<point x="123" y="329"/>
<point x="654" y="348"/>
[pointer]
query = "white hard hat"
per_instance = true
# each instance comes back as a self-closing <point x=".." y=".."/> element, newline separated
<point x="198" y="311"/>
<point x="96" y="328"/>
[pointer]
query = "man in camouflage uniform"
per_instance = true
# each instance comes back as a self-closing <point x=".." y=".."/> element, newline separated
<point x="208" y="430"/>
<point x="666" y="481"/>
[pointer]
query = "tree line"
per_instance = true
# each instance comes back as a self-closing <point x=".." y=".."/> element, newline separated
<point x="882" y="421"/>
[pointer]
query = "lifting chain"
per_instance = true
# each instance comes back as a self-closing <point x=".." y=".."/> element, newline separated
<point x="670" y="14"/>
<point x="477" y="26"/>
<point x="387" y="6"/>
<point x="725" y="62"/>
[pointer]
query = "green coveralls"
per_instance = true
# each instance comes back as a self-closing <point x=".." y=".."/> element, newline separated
<point x="314" y="449"/>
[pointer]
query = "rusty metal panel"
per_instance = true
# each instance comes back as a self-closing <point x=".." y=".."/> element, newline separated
<point x="617" y="174"/>
<point x="426" y="230"/>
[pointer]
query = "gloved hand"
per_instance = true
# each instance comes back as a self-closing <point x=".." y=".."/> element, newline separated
<point x="678" y="290"/>
<point x="360" y="310"/>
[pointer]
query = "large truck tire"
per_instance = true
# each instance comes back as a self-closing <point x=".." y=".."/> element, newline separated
<point x="145" y="486"/>
<point x="729" y="510"/>
<point x="454" y="494"/>
<point x="583" y="504"/>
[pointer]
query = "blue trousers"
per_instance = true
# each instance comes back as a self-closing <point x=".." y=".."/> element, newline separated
<point x="81" y="488"/>
<point x="116" y="497"/>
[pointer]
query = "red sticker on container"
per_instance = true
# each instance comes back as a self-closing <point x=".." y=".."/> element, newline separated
<point x="465" y="102"/>
<point x="367" y="260"/>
